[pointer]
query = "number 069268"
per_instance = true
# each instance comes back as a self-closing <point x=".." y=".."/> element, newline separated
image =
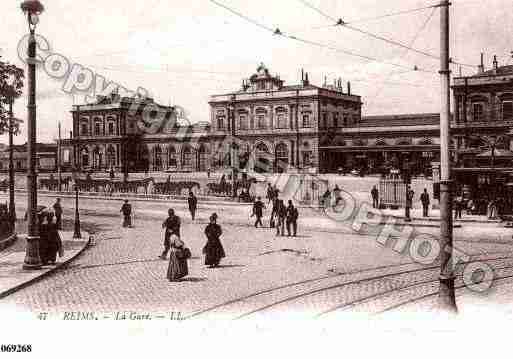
<point x="15" y="348"/>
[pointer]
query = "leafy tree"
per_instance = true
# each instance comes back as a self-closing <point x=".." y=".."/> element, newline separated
<point x="11" y="88"/>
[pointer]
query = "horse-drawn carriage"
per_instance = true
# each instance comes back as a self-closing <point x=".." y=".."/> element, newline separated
<point x="52" y="184"/>
<point x="174" y="188"/>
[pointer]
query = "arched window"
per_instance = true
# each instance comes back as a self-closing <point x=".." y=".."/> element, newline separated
<point x="84" y="129"/>
<point x="85" y="157"/>
<point x="172" y="157"/>
<point x="157" y="165"/>
<point x="97" y="158"/>
<point x="202" y="158"/>
<point x="262" y="158"/>
<point x="281" y="117"/>
<point x="111" y="157"/>
<point x="187" y="157"/>
<point x="220" y="122"/>
<point x="243" y="122"/>
<point x="111" y="128"/>
<point x="306" y="120"/>
<point x="97" y="128"/>
<point x="281" y="157"/>
<point x="507" y="110"/>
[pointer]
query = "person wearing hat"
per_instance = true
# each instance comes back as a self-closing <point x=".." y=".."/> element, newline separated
<point x="126" y="209"/>
<point x="172" y="227"/>
<point x="213" y="249"/>
<point x="178" y="256"/>
<point x="258" y="211"/>
<point x="192" y="201"/>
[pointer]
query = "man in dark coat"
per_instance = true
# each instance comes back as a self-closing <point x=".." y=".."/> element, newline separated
<point x="375" y="197"/>
<point x="270" y="193"/>
<point x="126" y="209"/>
<point x="409" y="203"/>
<point x="192" y="201"/>
<point x="424" y="199"/>
<point x="58" y="214"/>
<point x="281" y="212"/>
<point x="292" y="215"/>
<point x="258" y="212"/>
<point x="172" y="226"/>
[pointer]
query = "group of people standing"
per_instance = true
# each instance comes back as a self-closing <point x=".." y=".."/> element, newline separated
<point x="50" y="243"/>
<point x="281" y="215"/>
<point x="179" y="253"/>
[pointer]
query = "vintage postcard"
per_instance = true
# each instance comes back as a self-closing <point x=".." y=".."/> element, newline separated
<point x="176" y="175"/>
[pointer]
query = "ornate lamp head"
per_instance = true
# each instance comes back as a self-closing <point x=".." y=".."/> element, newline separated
<point x="32" y="8"/>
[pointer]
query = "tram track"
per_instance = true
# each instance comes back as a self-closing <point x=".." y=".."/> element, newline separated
<point x="253" y="304"/>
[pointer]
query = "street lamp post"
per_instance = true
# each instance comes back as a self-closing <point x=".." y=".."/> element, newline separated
<point x="12" y="207"/>
<point x="76" y="233"/>
<point x="32" y="9"/>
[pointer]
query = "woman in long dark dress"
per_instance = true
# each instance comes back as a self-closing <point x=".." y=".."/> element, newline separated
<point x="213" y="250"/>
<point x="177" y="259"/>
<point x="53" y="240"/>
<point x="43" y="238"/>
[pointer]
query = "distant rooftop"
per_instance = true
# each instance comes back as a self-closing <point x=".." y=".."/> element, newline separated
<point x="414" y="119"/>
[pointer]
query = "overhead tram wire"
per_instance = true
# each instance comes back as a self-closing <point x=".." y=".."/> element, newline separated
<point x="278" y="32"/>
<point x="341" y="22"/>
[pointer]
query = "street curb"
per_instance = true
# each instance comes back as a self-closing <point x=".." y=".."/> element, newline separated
<point x="434" y="219"/>
<point x="8" y="241"/>
<point x="136" y="199"/>
<point x="36" y="279"/>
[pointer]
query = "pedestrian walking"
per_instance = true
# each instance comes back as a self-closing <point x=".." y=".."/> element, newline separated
<point x="292" y="216"/>
<point x="178" y="256"/>
<point x="192" y="201"/>
<point x="458" y="206"/>
<point x="54" y="243"/>
<point x="213" y="249"/>
<point x="58" y="213"/>
<point x="43" y="238"/>
<point x="274" y="212"/>
<point x="281" y="212"/>
<point x="270" y="193"/>
<point x="424" y="199"/>
<point x="258" y="212"/>
<point x="375" y="197"/>
<point x="126" y="209"/>
<point x="171" y="227"/>
<point x="409" y="203"/>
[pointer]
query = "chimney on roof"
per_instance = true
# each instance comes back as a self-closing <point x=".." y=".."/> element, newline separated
<point x="306" y="79"/>
<point x="302" y="75"/>
<point x="325" y="81"/>
<point x="480" y="69"/>
<point x="349" y="87"/>
<point x="495" y="63"/>
<point x="70" y="134"/>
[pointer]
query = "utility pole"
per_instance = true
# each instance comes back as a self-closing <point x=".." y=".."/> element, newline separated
<point x="59" y="179"/>
<point x="233" y="151"/>
<point x="446" y="295"/>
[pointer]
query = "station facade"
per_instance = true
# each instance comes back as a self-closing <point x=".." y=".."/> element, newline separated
<point x="268" y="126"/>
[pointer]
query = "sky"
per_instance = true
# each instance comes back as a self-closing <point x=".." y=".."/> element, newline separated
<point x="185" y="51"/>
